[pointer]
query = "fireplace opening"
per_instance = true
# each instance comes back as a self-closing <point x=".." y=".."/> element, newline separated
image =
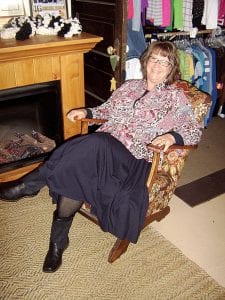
<point x="31" y="124"/>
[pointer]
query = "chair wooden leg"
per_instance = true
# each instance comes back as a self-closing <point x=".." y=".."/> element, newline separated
<point x="118" y="249"/>
<point x="161" y="214"/>
<point x="156" y="216"/>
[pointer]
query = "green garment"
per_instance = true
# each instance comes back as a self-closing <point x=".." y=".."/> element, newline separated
<point x="178" y="22"/>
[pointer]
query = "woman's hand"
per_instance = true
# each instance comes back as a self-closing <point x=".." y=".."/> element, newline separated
<point x="77" y="114"/>
<point x="165" y="141"/>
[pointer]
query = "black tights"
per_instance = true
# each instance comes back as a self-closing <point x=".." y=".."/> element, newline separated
<point x="67" y="207"/>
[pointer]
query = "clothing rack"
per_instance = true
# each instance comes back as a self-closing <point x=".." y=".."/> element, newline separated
<point x="173" y="34"/>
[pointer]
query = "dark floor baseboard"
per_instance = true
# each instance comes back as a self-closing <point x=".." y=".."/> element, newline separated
<point x="203" y="189"/>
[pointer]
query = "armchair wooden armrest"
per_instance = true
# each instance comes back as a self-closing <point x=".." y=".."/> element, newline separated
<point x="84" y="123"/>
<point x="171" y="148"/>
<point x="96" y="121"/>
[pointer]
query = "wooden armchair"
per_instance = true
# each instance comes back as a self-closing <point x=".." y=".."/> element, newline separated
<point x="162" y="179"/>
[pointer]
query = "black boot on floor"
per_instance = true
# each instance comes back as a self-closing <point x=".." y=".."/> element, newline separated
<point x="59" y="241"/>
<point x="27" y="186"/>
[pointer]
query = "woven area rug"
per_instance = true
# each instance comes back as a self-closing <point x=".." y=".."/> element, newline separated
<point x="151" y="269"/>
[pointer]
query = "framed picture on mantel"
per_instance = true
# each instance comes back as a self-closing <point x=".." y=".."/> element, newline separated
<point x="53" y="7"/>
<point x="11" y="8"/>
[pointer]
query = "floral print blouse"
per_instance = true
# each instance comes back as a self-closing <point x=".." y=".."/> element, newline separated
<point x="136" y="120"/>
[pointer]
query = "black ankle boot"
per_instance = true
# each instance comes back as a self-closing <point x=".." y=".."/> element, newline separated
<point x="59" y="242"/>
<point x="27" y="186"/>
<point x="53" y="259"/>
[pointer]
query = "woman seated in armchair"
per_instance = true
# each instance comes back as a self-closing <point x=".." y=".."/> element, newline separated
<point x="108" y="168"/>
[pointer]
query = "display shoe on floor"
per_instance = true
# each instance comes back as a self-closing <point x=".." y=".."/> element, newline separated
<point x="53" y="259"/>
<point x="27" y="186"/>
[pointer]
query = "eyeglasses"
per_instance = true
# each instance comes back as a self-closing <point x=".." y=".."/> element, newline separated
<point x="163" y="63"/>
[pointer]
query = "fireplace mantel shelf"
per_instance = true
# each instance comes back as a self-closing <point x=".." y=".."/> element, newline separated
<point x="45" y="44"/>
<point x="43" y="59"/>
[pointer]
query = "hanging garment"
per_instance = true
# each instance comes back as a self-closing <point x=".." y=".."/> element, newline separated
<point x="135" y="42"/>
<point x="144" y="5"/>
<point x="178" y="21"/>
<point x="210" y="14"/>
<point x="133" y="69"/>
<point x="197" y="12"/>
<point x="136" y="20"/>
<point x="130" y="9"/>
<point x="186" y="66"/>
<point x="154" y="12"/>
<point x="221" y="14"/>
<point x="199" y="67"/>
<point x="214" y="90"/>
<point x="187" y="15"/>
<point x="166" y="13"/>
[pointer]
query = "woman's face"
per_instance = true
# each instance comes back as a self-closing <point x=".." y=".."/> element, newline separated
<point x="158" y="68"/>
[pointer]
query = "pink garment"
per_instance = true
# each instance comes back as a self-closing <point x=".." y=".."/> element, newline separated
<point x="166" y="10"/>
<point x="136" y="123"/>
<point x="222" y="9"/>
<point x="130" y="9"/>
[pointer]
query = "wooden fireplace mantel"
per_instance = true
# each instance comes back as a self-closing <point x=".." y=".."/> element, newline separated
<point x="42" y="59"/>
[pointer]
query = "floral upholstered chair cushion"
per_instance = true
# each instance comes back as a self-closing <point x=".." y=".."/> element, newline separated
<point x="167" y="177"/>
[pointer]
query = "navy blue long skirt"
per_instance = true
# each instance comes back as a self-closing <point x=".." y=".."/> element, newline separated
<point x="99" y="169"/>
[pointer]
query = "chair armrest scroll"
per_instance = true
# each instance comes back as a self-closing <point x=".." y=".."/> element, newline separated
<point x="156" y="159"/>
